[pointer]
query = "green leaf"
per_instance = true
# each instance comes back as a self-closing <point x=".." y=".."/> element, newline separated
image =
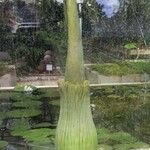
<point x="123" y="138"/>
<point x="19" y="113"/>
<point x="3" y="144"/>
<point x="27" y="104"/>
<point x="43" y="124"/>
<point x="130" y="46"/>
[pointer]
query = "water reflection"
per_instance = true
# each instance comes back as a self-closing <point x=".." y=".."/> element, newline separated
<point x="118" y="111"/>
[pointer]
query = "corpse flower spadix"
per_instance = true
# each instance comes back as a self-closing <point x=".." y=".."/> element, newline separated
<point x="75" y="130"/>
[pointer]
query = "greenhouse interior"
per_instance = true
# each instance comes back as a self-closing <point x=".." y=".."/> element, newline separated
<point x="74" y="74"/>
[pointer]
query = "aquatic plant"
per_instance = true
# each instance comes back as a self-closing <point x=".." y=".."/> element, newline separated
<point x="41" y="135"/>
<point x="27" y="104"/>
<point x="118" y="140"/>
<point x="43" y="125"/>
<point x="3" y="144"/>
<point x="19" y="126"/>
<point x="75" y="130"/>
<point x="2" y="115"/>
<point x="19" y="113"/>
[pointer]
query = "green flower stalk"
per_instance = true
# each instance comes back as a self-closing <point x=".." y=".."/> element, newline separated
<point x="75" y="130"/>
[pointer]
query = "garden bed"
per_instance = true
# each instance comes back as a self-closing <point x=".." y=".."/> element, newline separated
<point x="118" y="73"/>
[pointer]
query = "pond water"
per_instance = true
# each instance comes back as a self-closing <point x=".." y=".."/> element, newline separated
<point x="121" y="115"/>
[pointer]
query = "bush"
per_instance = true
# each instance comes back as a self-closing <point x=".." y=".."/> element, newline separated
<point x="124" y="68"/>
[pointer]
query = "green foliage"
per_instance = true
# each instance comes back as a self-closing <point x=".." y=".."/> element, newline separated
<point x="38" y="135"/>
<point x="121" y="69"/>
<point x="103" y="135"/>
<point x="22" y="96"/>
<point x="42" y="125"/>
<point x="140" y="66"/>
<point x="112" y="69"/>
<point x="42" y="135"/>
<point x="3" y="68"/>
<point x="2" y="115"/>
<point x="19" y="113"/>
<point x="3" y="144"/>
<point x="5" y="95"/>
<point x="130" y="46"/>
<point x="21" y="88"/>
<point x="118" y="140"/>
<point x="1" y="122"/>
<point x="51" y="93"/>
<point x="27" y="104"/>
<point x="19" y="126"/>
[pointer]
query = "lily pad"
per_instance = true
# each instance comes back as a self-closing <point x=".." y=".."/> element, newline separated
<point x="24" y="97"/>
<point x="43" y="124"/>
<point x="27" y="104"/>
<point x="3" y="144"/>
<point x="42" y="135"/>
<point x="19" y="126"/>
<point x="18" y="113"/>
<point x="2" y="115"/>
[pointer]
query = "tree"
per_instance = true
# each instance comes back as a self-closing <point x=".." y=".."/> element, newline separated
<point x="75" y="130"/>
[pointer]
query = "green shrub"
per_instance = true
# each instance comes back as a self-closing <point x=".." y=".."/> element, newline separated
<point x="121" y="69"/>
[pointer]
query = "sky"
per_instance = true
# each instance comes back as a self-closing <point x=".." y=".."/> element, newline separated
<point x="110" y="7"/>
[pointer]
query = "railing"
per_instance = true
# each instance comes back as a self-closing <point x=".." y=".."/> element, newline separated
<point x="29" y="25"/>
<point x="91" y="85"/>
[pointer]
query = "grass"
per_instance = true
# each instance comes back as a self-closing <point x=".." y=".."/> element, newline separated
<point x="124" y="68"/>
